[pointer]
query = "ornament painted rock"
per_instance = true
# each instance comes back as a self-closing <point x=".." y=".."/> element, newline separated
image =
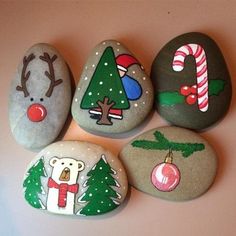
<point x="75" y="178"/>
<point x="192" y="82"/>
<point x="40" y="97"/>
<point x="114" y="94"/>
<point x="170" y="163"/>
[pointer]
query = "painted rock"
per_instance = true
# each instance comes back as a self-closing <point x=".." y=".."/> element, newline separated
<point x="192" y="82"/>
<point x="75" y="178"/>
<point x="170" y="163"/>
<point x="114" y="94"/>
<point x="40" y="97"/>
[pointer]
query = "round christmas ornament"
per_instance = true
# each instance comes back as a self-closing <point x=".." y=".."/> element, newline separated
<point x="192" y="83"/>
<point x="114" y="94"/>
<point x="75" y="178"/>
<point x="170" y="163"/>
<point x="40" y="97"/>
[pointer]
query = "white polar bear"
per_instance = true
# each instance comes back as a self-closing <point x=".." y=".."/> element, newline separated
<point x="62" y="185"/>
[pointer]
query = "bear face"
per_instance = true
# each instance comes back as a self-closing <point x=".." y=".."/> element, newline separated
<point x="66" y="169"/>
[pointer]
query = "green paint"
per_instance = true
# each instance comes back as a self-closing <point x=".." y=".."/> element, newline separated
<point x="33" y="185"/>
<point x="216" y="86"/>
<point x="100" y="196"/>
<point x="162" y="143"/>
<point x="105" y="82"/>
<point x="168" y="98"/>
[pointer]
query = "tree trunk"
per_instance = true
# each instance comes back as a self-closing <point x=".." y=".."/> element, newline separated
<point x="105" y="107"/>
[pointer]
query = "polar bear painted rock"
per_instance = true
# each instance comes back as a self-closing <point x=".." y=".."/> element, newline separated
<point x="63" y="185"/>
<point x="75" y="178"/>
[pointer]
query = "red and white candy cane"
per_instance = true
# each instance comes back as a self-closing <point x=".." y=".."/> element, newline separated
<point x="201" y="66"/>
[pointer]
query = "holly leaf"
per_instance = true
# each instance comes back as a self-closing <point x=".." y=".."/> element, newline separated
<point x="216" y="86"/>
<point x="169" y="98"/>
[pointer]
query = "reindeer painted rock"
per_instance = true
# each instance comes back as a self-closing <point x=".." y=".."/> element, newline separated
<point x="40" y="97"/>
<point x="114" y="94"/>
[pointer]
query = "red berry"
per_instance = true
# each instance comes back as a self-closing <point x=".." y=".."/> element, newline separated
<point x="185" y="90"/>
<point x="193" y="89"/>
<point x="191" y="99"/>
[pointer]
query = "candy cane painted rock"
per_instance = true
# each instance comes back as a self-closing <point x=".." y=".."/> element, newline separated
<point x="192" y="83"/>
<point x="40" y="97"/>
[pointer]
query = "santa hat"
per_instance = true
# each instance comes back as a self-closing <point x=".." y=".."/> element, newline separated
<point x="124" y="61"/>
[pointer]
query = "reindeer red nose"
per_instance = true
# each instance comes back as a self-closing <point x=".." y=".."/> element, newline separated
<point x="36" y="112"/>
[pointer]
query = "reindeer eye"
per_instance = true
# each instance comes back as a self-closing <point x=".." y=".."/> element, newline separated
<point x="31" y="99"/>
<point x="62" y="163"/>
<point x="71" y="164"/>
<point x="41" y="99"/>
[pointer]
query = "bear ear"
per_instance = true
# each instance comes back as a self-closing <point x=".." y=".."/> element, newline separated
<point x="81" y="165"/>
<point x="53" y="161"/>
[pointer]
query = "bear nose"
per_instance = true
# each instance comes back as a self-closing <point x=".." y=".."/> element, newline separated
<point x="36" y="112"/>
<point x="67" y="170"/>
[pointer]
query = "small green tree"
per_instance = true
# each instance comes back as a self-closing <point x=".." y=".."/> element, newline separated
<point x="33" y="185"/>
<point x="105" y="89"/>
<point x="100" y="196"/>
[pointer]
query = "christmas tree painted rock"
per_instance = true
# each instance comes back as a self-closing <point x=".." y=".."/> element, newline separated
<point x="170" y="163"/>
<point x="192" y="82"/>
<point x="75" y="178"/>
<point x="40" y="97"/>
<point x="114" y="94"/>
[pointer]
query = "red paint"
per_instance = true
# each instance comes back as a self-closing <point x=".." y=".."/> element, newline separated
<point x="185" y="90"/>
<point x="193" y="89"/>
<point x="191" y="99"/>
<point x="36" y="112"/>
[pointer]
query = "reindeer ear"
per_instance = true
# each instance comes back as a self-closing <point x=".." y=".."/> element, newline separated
<point x="53" y="161"/>
<point x="81" y="165"/>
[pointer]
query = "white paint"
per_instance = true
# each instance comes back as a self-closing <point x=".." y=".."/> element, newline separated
<point x="53" y="193"/>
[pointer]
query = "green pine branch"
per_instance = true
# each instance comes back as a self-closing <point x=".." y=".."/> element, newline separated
<point x="162" y="143"/>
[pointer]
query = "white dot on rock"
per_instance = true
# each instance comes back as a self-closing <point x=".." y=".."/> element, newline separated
<point x="86" y="67"/>
<point x="100" y="168"/>
<point x="144" y="78"/>
<point x="106" y="191"/>
<point x="92" y="104"/>
<point x="118" y="43"/>
<point x="100" y="82"/>
<point x="85" y="78"/>
<point x="90" y="195"/>
<point x="98" y="93"/>
<point x="90" y="93"/>
<point x="72" y="148"/>
<point x="110" y="74"/>
<point x="105" y="64"/>
<point x="143" y="103"/>
<point x="136" y="104"/>
<point x="79" y="88"/>
<point x="122" y="101"/>
<point x="147" y="92"/>
<point x="98" y="211"/>
<point x="120" y="92"/>
<point x="120" y="170"/>
<point x="76" y="100"/>
<point x="96" y="53"/>
<point x="110" y="89"/>
<point x="133" y="72"/>
<point x="93" y="65"/>
<point x="48" y="152"/>
<point x="117" y="49"/>
<point x="104" y="43"/>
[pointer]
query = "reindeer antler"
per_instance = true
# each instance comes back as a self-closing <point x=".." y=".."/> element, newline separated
<point x="25" y="77"/>
<point x="50" y="74"/>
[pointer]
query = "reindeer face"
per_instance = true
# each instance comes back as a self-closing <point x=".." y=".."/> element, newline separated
<point x="37" y="112"/>
<point x="40" y="97"/>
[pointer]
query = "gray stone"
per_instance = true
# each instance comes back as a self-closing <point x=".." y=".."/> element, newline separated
<point x="170" y="163"/>
<point x="114" y="94"/>
<point x="75" y="178"/>
<point x="192" y="83"/>
<point x="40" y="97"/>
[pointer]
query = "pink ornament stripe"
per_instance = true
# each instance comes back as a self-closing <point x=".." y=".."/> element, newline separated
<point x="201" y="70"/>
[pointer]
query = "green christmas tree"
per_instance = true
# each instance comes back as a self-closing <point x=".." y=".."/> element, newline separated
<point x="33" y="185"/>
<point x="100" y="196"/>
<point x="105" y="89"/>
